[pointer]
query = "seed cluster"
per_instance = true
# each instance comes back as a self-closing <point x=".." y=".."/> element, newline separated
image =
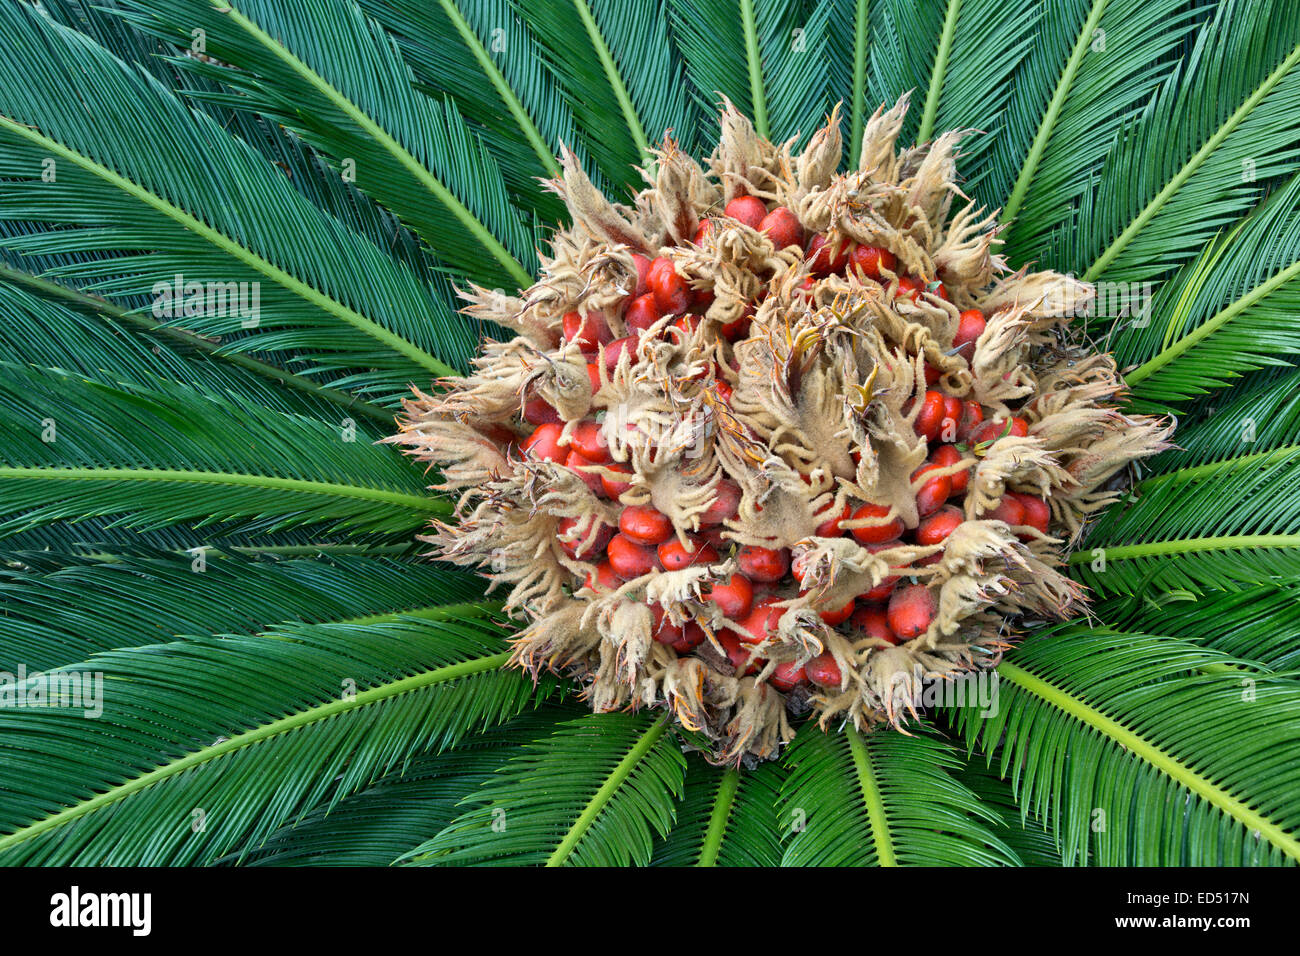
<point x="777" y="439"/>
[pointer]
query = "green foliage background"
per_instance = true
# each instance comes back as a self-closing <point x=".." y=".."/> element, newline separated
<point x="322" y="694"/>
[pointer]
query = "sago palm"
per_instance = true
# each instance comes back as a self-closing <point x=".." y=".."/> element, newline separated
<point x="205" y="534"/>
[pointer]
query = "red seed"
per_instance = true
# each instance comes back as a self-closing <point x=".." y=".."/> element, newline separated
<point x="823" y="671"/>
<point x="765" y="565"/>
<point x="641" y="313"/>
<point x="725" y="504"/>
<point x="674" y="556"/>
<point x="951" y="418"/>
<point x="823" y="260"/>
<point x="869" y="260"/>
<point x="703" y="231"/>
<point x="642" y="270"/>
<point x="970" y="326"/>
<point x="945" y="456"/>
<point x="761" y="621"/>
<point x="998" y="428"/>
<point x="872" y="620"/>
<point x="932" y="374"/>
<point x="629" y="559"/>
<point x="930" y="419"/>
<point x="782" y="227"/>
<point x="741" y="658"/>
<point x="911" y="609"/>
<point x="1038" y="514"/>
<point x="644" y="525"/>
<point x="578" y="464"/>
<point x="830" y="528"/>
<point x="672" y="294"/>
<point x="1009" y="510"/>
<point x="564" y="528"/>
<point x="734" y="597"/>
<point x="748" y="209"/>
<point x="787" y="675"/>
<point x="880" y="533"/>
<point x="540" y="412"/>
<point x="603" y="577"/>
<point x="615" y="350"/>
<point x="932" y="492"/>
<point x="692" y="637"/>
<point x="664" y="630"/>
<point x="838" y="616"/>
<point x="588" y="440"/>
<point x="588" y="331"/>
<point x="937" y="527"/>
<point x="544" y="443"/>
<point x="612" y="486"/>
<point x="972" y="414"/>
<point x="909" y="288"/>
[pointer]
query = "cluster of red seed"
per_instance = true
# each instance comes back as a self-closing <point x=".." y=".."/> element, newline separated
<point x="645" y="540"/>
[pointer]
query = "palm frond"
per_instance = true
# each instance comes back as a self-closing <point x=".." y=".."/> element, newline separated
<point x="323" y="69"/>
<point x="595" y="792"/>
<point x="1218" y="525"/>
<point x="882" y="799"/>
<point x="1225" y="122"/>
<point x="1146" y="750"/>
<point x="74" y="446"/>
<point x="726" y="818"/>
<point x="208" y="745"/>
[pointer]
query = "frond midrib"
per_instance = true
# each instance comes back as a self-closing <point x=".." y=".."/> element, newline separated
<point x="232" y="248"/>
<point x="284" y="725"/>
<point x="1134" y="743"/>
<point x="872" y="797"/>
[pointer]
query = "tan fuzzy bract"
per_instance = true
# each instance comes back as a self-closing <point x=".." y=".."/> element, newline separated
<point x="811" y="408"/>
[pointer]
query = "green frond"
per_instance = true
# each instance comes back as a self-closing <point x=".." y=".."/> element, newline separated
<point x="1145" y="750"/>
<point x="1225" y="122"/>
<point x="1215" y="525"/>
<point x="208" y="745"/>
<point x="726" y="818"/>
<point x="854" y="799"/>
<point x="1228" y="313"/>
<point x="323" y="69"/>
<point x="382" y="822"/>
<point x="768" y="58"/>
<point x="127" y="177"/>
<point x="85" y="605"/>
<point x="1093" y="65"/>
<point x="620" y="78"/>
<point x="75" y="448"/>
<point x="595" y="792"/>
<point x="495" y="46"/>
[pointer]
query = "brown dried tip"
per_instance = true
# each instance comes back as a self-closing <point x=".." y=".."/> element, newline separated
<point x="777" y="439"/>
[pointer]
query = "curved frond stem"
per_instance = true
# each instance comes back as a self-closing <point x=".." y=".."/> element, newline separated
<point x="755" y="62"/>
<point x="96" y="306"/>
<point x="871" y="797"/>
<point x="617" y="777"/>
<point x="1212" y="325"/>
<point x="298" y="485"/>
<point x="285" y="725"/>
<point x="232" y="248"/>
<point x="1230" y="542"/>
<point x="1212" y="467"/>
<point x="615" y="78"/>
<point x="385" y="139"/>
<point x="859" y="79"/>
<point x="1164" y="762"/>
<point x="931" y="111"/>
<point x="1171" y="188"/>
<point x="503" y="88"/>
<point x="1053" y="112"/>
<point x="723" y="803"/>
